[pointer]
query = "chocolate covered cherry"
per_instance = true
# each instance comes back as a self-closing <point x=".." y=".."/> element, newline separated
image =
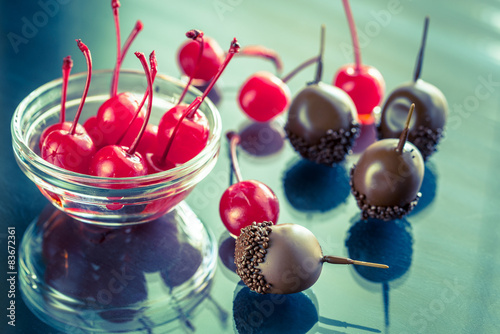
<point x="282" y="259"/>
<point x="387" y="178"/>
<point x="322" y="121"/>
<point x="431" y="108"/>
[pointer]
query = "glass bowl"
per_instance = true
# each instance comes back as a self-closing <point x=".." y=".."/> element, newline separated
<point x="108" y="201"/>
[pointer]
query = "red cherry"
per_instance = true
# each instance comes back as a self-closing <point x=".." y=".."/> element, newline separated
<point x="114" y="161"/>
<point x="115" y="115"/>
<point x="94" y="132"/>
<point x="123" y="161"/>
<point x="263" y="96"/>
<point x="70" y="149"/>
<point x="62" y="125"/>
<point x="213" y="57"/>
<point x="364" y="84"/>
<point x="246" y="202"/>
<point x="71" y="152"/>
<point x="191" y="136"/>
<point x="184" y="129"/>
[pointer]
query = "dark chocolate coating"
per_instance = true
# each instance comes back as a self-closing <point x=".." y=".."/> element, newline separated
<point x="318" y="108"/>
<point x="291" y="263"/>
<point x="322" y="123"/>
<point x="429" y="117"/>
<point x="387" y="178"/>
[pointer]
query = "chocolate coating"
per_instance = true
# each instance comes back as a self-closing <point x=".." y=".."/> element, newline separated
<point x="386" y="182"/>
<point x="426" y="127"/>
<point x="322" y="123"/>
<point x="280" y="259"/>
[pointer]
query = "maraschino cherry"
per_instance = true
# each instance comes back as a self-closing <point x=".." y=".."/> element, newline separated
<point x="364" y="84"/>
<point x="123" y="161"/>
<point x="115" y="114"/>
<point x="62" y="125"/>
<point x="263" y="96"/>
<point x="212" y="59"/>
<point x="185" y="130"/>
<point x="247" y="201"/>
<point x="71" y="149"/>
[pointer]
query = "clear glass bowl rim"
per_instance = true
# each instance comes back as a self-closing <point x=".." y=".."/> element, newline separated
<point x="168" y="175"/>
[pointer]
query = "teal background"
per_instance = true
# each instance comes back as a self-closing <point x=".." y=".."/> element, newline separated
<point x="453" y="283"/>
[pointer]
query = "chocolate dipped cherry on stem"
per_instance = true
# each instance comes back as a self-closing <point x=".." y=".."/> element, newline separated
<point x="116" y="113"/>
<point x="322" y="122"/>
<point x="246" y="201"/>
<point x="387" y="178"/>
<point x="364" y="84"/>
<point x="431" y="108"/>
<point x="185" y="130"/>
<point x="62" y="125"/>
<point x="123" y="161"/>
<point x="283" y="258"/>
<point x="72" y="149"/>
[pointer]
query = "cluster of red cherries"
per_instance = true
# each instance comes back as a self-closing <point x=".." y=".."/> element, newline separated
<point x="118" y="141"/>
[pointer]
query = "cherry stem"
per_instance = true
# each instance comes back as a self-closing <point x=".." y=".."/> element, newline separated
<point x="263" y="52"/>
<point x="116" y="73"/>
<point x="154" y="70"/>
<point x="191" y="109"/>
<point x="234" y="141"/>
<point x="196" y="35"/>
<point x="144" y="63"/>
<point x="66" y="69"/>
<point x="319" y="68"/>
<point x="420" y="59"/>
<point x="354" y="35"/>
<point x="345" y="260"/>
<point x="233" y="49"/>
<point x="133" y="34"/>
<point x="193" y="106"/>
<point x="302" y="66"/>
<point x="88" y="58"/>
<point x="115" y="4"/>
<point x="404" y="135"/>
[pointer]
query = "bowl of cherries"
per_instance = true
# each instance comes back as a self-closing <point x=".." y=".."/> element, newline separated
<point x="123" y="163"/>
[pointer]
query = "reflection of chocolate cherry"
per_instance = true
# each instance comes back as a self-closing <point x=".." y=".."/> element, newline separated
<point x="377" y="240"/>
<point x="387" y="178"/>
<point x="181" y="268"/>
<point x="322" y="121"/>
<point x="256" y="313"/>
<point x="364" y="84"/>
<point x="247" y="201"/>
<point x="281" y="259"/>
<point x="431" y="108"/>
